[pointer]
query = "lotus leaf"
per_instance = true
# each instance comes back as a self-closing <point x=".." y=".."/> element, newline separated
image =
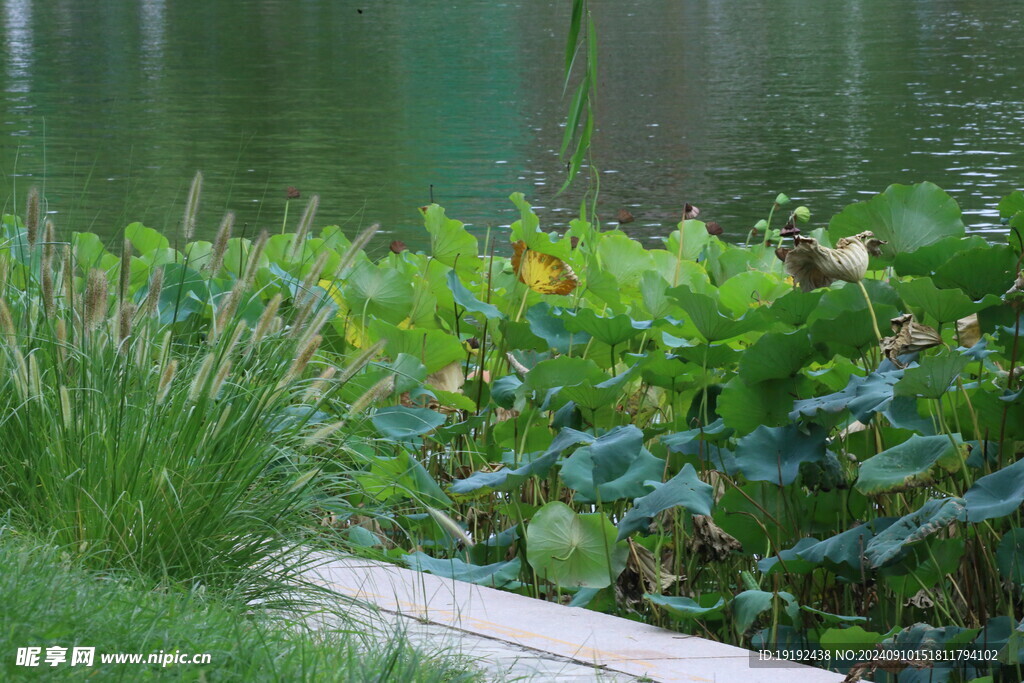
<point x="684" y="489"/>
<point x="683" y="608"/>
<point x="997" y="494"/>
<point x="934" y="515"/>
<point x="908" y="465"/>
<point x="572" y="549"/>
<point x="774" y="453"/>
<point x="496" y="575"/>
<point x="906" y="216"/>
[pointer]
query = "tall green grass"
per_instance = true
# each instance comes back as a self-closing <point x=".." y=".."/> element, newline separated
<point x="176" y="452"/>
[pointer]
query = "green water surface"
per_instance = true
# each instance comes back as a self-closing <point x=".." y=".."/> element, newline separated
<point x="378" y="106"/>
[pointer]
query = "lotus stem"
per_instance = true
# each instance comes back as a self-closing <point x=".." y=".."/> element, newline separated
<point x="871" y="310"/>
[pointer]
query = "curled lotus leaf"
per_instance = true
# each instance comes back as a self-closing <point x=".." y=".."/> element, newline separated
<point x="909" y="336"/>
<point x="813" y="265"/>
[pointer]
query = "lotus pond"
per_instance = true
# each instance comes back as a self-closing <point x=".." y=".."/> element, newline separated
<point x="679" y="435"/>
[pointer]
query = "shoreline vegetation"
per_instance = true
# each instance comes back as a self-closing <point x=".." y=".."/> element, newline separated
<point x="808" y="441"/>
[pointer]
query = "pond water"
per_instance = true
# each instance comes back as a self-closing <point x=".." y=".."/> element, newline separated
<point x="112" y="106"/>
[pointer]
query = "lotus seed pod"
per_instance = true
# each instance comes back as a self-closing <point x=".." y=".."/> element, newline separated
<point x="802" y="214"/>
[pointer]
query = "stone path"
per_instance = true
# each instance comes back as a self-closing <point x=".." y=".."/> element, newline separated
<point x="512" y="637"/>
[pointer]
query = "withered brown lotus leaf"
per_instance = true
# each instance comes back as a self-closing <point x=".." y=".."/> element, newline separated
<point x="813" y="265"/>
<point x="713" y="228"/>
<point x="709" y="541"/>
<point x="625" y="217"/>
<point x="968" y="330"/>
<point x="910" y="336"/>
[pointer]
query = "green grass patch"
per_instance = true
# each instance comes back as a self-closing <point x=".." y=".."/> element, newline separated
<point x="50" y="601"/>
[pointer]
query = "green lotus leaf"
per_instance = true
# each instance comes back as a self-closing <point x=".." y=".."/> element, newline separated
<point x="624" y="258"/>
<point x="509" y="479"/>
<point x="551" y="328"/>
<point x="409" y="372"/>
<point x="89" y="251"/>
<point x="851" y="333"/>
<point x="933" y="376"/>
<point x="944" y="305"/>
<point x="606" y="460"/>
<point x="688" y="240"/>
<point x="908" y="217"/>
<point x="612" y="330"/>
<point x="749" y="604"/>
<point x="572" y="549"/>
<point x="831" y="618"/>
<point x="745" y="407"/>
<point x="450" y="243"/>
<point x="935" y="515"/>
<point x="752" y="288"/>
<point x="853" y="636"/>
<point x="796" y="307"/>
<point x="683" y="608"/>
<point x="465" y="298"/>
<point x="990" y="408"/>
<point x="434" y="348"/>
<point x="726" y="261"/>
<point x="595" y="395"/>
<point x="843" y="551"/>
<point x="527" y="229"/>
<point x="1011" y="204"/>
<point x="615" y="480"/>
<point x="144" y="239"/>
<point x="518" y="335"/>
<point x="788" y="561"/>
<point x="926" y="565"/>
<point x="774" y="453"/>
<point x="400" y="423"/>
<point x="663" y="369"/>
<point x="563" y="371"/>
<point x="1010" y="556"/>
<point x="926" y="260"/>
<point x="704" y="312"/>
<point x="400" y="477"/>
<point x="997" y="494"/>
<point x="185" y="292"/>
<point x="237" y="255"/>
<point x="379" y="291"/>
<point x="496" y="575"/>
<point x="653" y="290"/>
<point x="684" y="489"/>
<point x="908" y="465"/>
<point x="979" y="272"/>
<point x="775" y="356"/>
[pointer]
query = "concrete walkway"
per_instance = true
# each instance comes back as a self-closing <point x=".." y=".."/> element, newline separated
<point x="514" y="637"/>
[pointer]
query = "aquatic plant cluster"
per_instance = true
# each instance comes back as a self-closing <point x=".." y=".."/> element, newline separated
<point x="723" y="439"/>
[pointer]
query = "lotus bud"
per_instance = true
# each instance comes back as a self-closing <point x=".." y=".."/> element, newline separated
<point x="910" y="337"/>
<point x="802" y="214"/>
